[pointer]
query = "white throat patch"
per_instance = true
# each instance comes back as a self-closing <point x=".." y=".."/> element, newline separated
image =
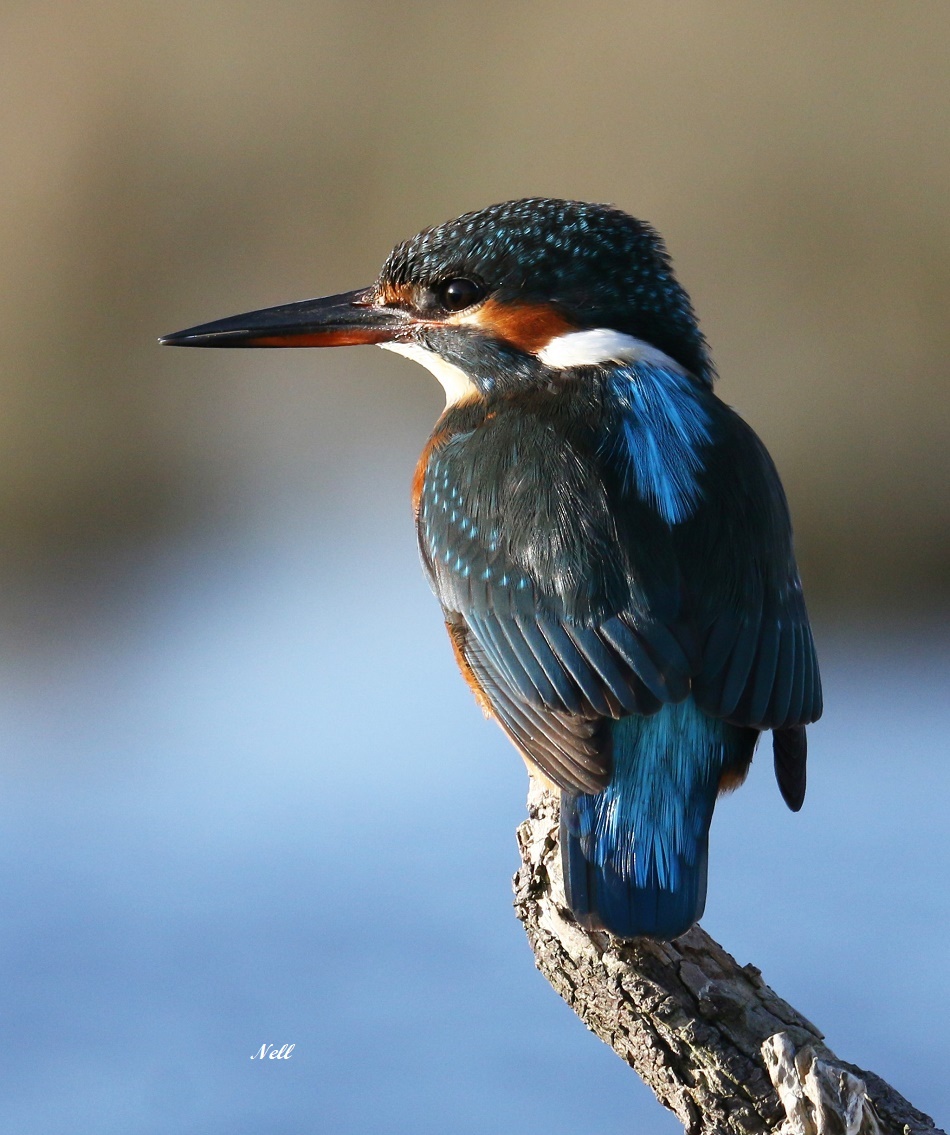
<point x="455" y="382"/>
<point x="601" y="345"/>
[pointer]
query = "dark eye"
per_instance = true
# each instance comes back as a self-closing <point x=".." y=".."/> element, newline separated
<point x="454" y="295"/>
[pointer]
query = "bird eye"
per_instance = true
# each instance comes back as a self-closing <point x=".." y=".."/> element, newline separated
<point x="454" y="295"/>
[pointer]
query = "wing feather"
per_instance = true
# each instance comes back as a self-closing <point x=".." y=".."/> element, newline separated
<point x="576" y="665"/>
<point x="567" y="691"/>
<point x="581" y="601"/>
<point x="763" y="677"/>
<point x="565" y="747"/>
<point x="631" y="649"/>
<point x="604" y="662"/>
<point x="736" y="674"/>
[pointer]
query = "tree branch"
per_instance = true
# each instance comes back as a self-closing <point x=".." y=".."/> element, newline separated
<point x="718" y="1047"/>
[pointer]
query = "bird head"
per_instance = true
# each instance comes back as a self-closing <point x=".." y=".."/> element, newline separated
<point x="500" y="298"/>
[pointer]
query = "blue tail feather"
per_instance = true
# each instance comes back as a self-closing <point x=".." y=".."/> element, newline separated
<point x="635" y="855"/>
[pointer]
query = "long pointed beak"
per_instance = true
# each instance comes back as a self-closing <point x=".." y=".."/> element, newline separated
<point x="345" y="320"/>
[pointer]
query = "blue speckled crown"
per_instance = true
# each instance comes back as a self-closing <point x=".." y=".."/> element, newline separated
<point x="603" y="267"/>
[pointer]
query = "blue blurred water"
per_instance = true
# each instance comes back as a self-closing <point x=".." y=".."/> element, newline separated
<point x="257" y="805"/>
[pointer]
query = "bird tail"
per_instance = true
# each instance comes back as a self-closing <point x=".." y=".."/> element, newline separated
<point x="635" y="855"/>
<point x="605" y="899"/>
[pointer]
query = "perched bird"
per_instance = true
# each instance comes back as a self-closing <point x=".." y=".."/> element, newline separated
<point x="610" y="543"/>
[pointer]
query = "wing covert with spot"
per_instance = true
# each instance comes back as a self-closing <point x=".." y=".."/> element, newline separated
<point x="549" y="611"/>
<point x="580" y="600"/>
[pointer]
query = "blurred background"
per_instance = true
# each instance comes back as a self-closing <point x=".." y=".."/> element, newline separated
<point x="244" y="796"/>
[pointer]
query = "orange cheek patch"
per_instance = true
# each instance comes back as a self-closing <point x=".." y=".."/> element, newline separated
<point x="529" y="327"/>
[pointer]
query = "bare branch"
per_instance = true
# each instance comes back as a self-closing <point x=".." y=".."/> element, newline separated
<point x="714" y="1042"/>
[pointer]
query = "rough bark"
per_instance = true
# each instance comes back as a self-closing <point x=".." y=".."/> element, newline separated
<point x="714" y="1042"/>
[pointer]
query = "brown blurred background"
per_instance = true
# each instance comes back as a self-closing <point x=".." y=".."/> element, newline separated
<point x="169" y="163"/>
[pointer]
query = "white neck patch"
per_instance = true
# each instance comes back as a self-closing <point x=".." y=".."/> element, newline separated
<point x="455" y="382"/>
<point x="601" y="345"/>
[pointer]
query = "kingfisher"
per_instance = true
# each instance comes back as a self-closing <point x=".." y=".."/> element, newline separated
<point x="609" y="542"/>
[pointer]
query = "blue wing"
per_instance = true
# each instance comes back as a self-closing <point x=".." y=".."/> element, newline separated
<point x="557" y="626"/>
<point x="585" y="581"/>
<point x="758" y="664"/>
<point x="758" y="658"/>
<point x="707" y="474"/>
